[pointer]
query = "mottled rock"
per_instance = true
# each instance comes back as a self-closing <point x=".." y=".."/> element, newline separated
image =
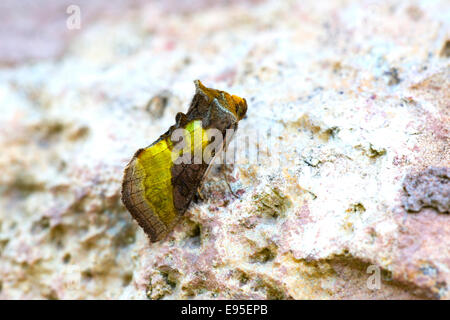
<point x="445" y="51"/>
<point x="429" y="188"/>
<point x="348" y="110"/>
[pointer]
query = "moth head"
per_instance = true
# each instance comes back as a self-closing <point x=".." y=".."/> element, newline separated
<point x="240" y="106"/>
<point x="234" y="104"/>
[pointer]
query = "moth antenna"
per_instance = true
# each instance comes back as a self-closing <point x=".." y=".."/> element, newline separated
<point x="217" y="103"/>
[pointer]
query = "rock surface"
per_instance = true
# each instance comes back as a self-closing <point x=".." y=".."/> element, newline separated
<point x="354" y="97"/>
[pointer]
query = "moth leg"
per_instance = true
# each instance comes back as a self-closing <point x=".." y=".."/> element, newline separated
<point x="223" y="169"/>
<point x="199" y="189"/>
<point x="199" y="194"/>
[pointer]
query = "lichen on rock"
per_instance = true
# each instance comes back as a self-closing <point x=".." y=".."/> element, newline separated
<point x="429" y="188"/>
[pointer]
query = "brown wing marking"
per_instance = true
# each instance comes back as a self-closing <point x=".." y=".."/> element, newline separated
<point x="133" y="196"/>
<point x="186" y="178"/>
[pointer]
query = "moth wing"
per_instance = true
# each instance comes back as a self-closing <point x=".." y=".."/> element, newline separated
<point x="186" y="180"/>
<point x="147" y="190"/>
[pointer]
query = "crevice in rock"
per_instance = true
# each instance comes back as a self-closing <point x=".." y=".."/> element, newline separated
<point x="264" y="255"/>
<point x="193" y="236"/>
<point x="127" y="278"/>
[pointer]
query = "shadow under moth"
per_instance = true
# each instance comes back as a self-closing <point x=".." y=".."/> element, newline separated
<point x="161" y="180"/>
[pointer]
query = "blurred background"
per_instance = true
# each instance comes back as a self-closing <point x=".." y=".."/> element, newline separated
<point x="35" y="30"/>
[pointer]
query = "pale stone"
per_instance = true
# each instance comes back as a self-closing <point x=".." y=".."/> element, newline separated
<point x="356" y="98"/>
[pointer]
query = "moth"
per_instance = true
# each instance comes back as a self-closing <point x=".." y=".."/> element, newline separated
<point x="157" y="187"/>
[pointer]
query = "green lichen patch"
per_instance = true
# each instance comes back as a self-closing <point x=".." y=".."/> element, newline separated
<point x="272" y="204"/>
<point x="357" y="207"/>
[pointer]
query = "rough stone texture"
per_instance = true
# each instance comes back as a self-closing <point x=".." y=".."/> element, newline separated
<point x="356" y="98"/>
<point x="430" y="188"/>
